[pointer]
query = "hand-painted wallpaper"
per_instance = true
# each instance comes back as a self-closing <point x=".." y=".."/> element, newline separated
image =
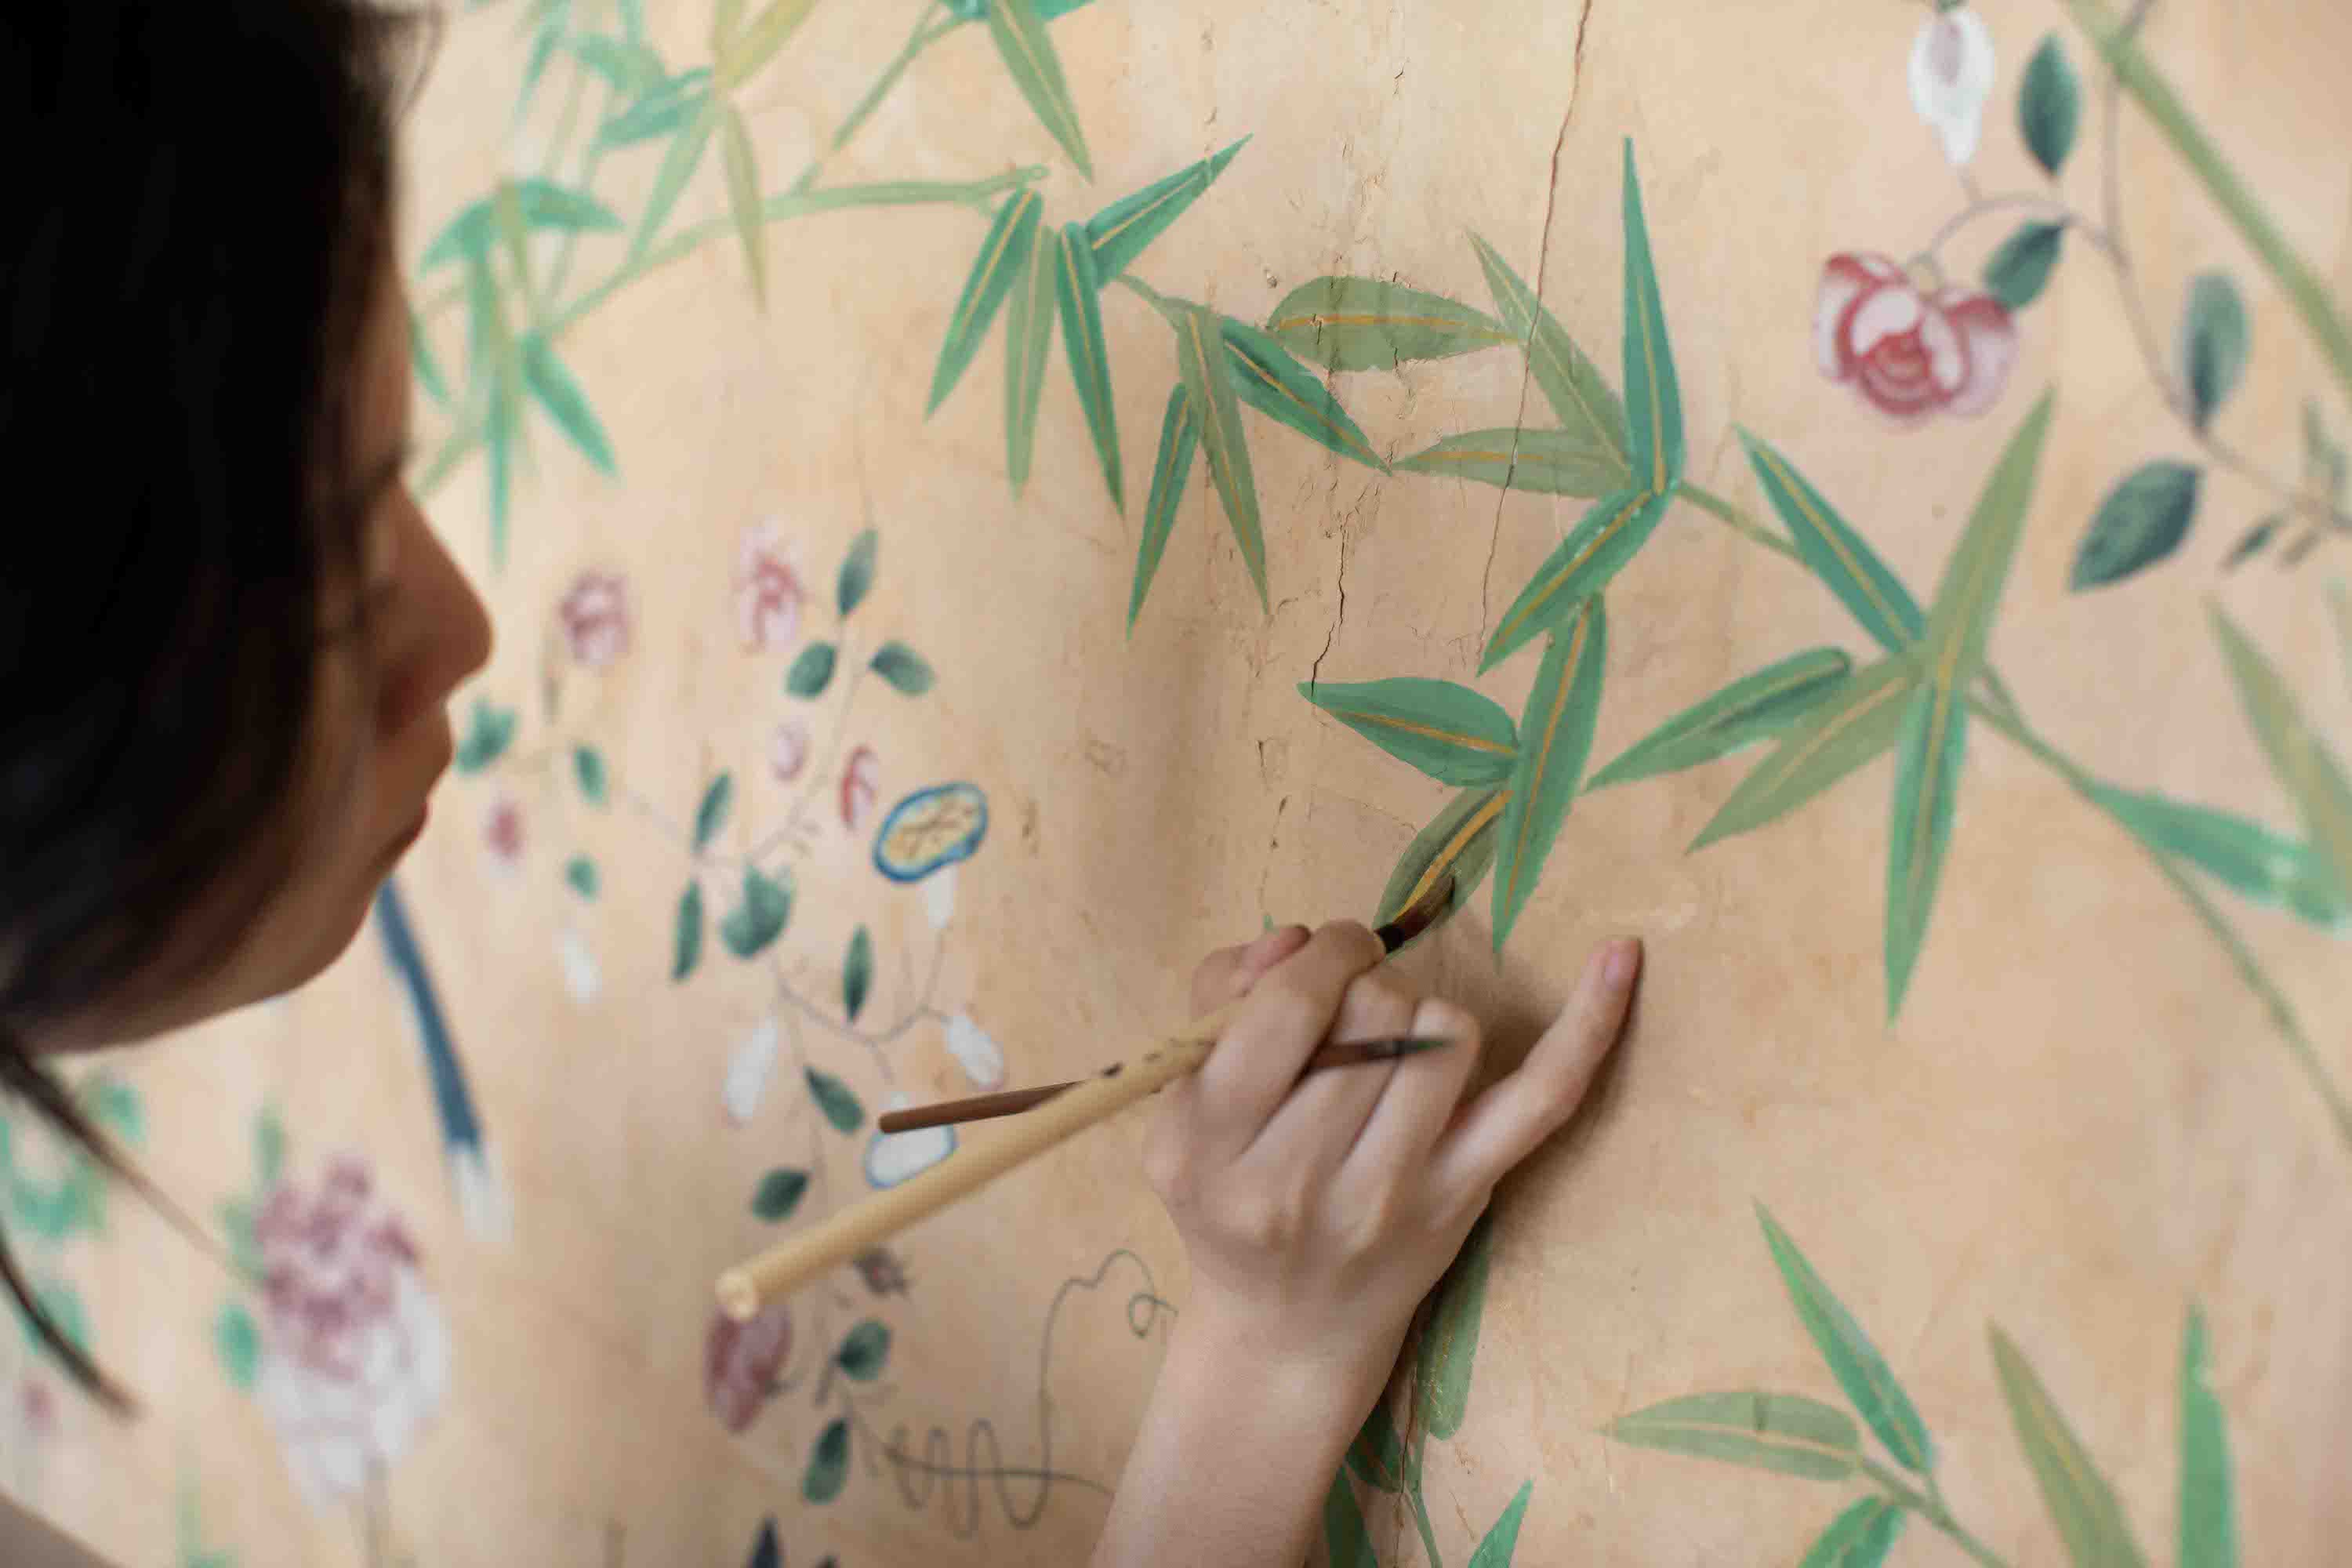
<point x="1851" y="490"/>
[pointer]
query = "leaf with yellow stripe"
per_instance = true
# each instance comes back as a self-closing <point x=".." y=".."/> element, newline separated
<point x="2311" y="774"/>
<point x="1787" y="1433"/>
<point x="1028" y="340"/>
<point x="1179" y="432"/>
<point x="759" y="40"/>
<point x="1594" y="551"/>
<point x="1201" y="354"/>
<point x="1270" y="379"/>
<point x="1929" y="761"/>
<point x="1579" y="397"/>
<point x="1855" y="726"/>
<point x="1752" y="709"/>
<point x="1370" y="323"/>
<point x="677" y="166"/>
<point x="1004" y="256"/>
<point x="1075" y="292"/>
<point x="743" y="201"/>
<point x="1459" y="839"/>
<point x="1118" y="233"/>
<point x="1969" y="592"/>
<point x="1654" y="398"/>
<point x="1036" y="70"/>
<point x="1852" y="1360"/>
<point x="1555" y="737"/>
<point x="1838" y="555"/>
<point x="1452" y="734"/>
<point x="2080" y="1502"/>
<point x="1549" y="462"/>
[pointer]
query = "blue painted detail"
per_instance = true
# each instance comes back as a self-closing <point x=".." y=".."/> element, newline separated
<point x="915" y="871"/>
<point x="460" y="1128"/>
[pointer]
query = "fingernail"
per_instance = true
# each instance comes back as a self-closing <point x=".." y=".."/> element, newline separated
<point x="1619" y="961"/>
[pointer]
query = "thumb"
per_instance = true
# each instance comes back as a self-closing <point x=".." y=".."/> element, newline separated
<point x="1227" y="974"/>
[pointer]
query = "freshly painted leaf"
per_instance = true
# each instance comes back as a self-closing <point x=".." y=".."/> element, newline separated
<point x="779" y="1194"/>
<point x="1501" y="1544"/>
<point x="751" y="926"/>
<point x="237" y="1342"/>
<point x="1004" y="256"/>
<point x="420" y="356"/>
<point x="1579" y="398"/>
<point x="743" y="200"/>
<point x="1460" y="839"/>
<point x="1370" y="323"/>
<point x="856" y="579"/>
<point x="1270" y="379"/>
<point x="711" y="815"/>
<point x="1452" y="734"/>
<point x="903" y="667"/>
<point x="489" y="733"/>
<point x="588" y="768"/>
<point x="828" y="1466"/>
<point x="1376" y="1456"/>
<point x="812" y="670"/>
<point x="2314" y="779"/>
<point x="1839" y="556"/>
<point x="2078" y="1497"/>
<point x="1970" y="591"/>
<point x="1929" y="761"/>
<point x="2216" y="339"/>
<point x="1028" y="54"/>
<point x="2050" y="106"/>
<point x="757" y="44"/>
<point x="1595" y="551"/>
<point x="1449" y="1344"/>
<point x="1859" y="722"/>
<point x="2208" y="1513"/>
<point x="1549" y="462"/>
<point x="1346" y="1543"/>
<point x="858" y="974"/>
<point x="1654" y="398"/>
<point x="1555" y="736"/>
<point x="1075" y="292"/>
<point x="677" y="166"/>
<point x="1028" y="341"/>
<point x="865" y="1351"/>
<point x="1852" y="1360"/>
<point x="1750" y="710"/>
<point x="1861" y="1537"/>
<point x="1179" y="432"/>
<point x="579" y="875"/>
<point x="2142" y="520"/>
<point x="2020" y="271"/>
<point x="2255" y="538"/>
<point x="685" y="945"/>
<point x="1782" y="1432"/>
<point x="1119" y="232"/>
<point x="1200" y="352"/>
<point x="834" y="1099"/>
<point x="565" y="404"/>
<point x="662" y="110"/>
<point x="2244" y="856"/>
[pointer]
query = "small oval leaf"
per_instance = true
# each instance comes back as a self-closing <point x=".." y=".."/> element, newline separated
<point x="2216" y="339"/>
<point x="711" y="815"/>
<point x="766" y="910"/>
<point x="857" y="567"/>
<point x="865" y="1351"/>
<point x="907" y="671"/>
<point x="588" y="769"/>
<point x="858" y="974"/>
<point x="833" y="1098"/>
<point x="1452" y="734"/>
<point x="1782" y="1432"/>
<point x="685" y="944"/>
<point x="580" y="873"/>
<point x="812" y="670"/>
<point x="779" y="1194"/>
<point x="2020" y="271"/>
<point x="2050" y="106"/>
<point x="828" y="1466"/>
<point x="2142" y="520"/>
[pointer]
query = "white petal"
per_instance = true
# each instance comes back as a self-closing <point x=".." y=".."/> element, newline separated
<point x="1890" y="312"/>
<point x="892" y="1157"/>
<point x="581" y="977"/>
<point x="1952" y="69"/>
<point x="747" y="1073"/>
<point x="939" y="896"/>
<point x="483" y="1204"/>
<point x="977" y="1053"/>
<point x="1946" y="364"/>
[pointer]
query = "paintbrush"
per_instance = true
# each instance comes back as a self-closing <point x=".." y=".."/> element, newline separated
<point x="752" y="1284"/>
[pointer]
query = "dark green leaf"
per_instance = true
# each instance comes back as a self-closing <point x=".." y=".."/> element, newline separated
<point x="1595" y="551"/>
<point x="1346" y="1543"/>
<point x="1970" y="591"/>
<point x="767" y="909"/>
<point x="2050" y="106"/>
<point x="1852" y="1360"/>
<point x="115" y="1106"/>
<point x="856" y="578"/>
<point x="1004" y="256"/>
<point x="2267" y="866"/>
<point x="1782" y="1432"/>
<point x="2078" y="1497"/>
<point x="757" y="44"/>
<point x="1501" y="1544"/>
<point x="857" y="973"/>
<point x="1839" y="556"/>
<point x="828" y="1466"/>
<point x="1928" y="760"/>
<point x="1370" y="323"/>
<point x="2257" y="537"/>
<point x="834" y="1099"/>
<point x="1580" y="399"/>
<point x="2312" y="777"/>
<point x="579" y="872"/>
<point x="1200" y="352"/>
<point x="2208" y="1513"/>
<point x="743" y="200"/>
<point x="489" y="733"/>
<point x="1376" y="1456"/>
<point x="779" y="1194"/>
<point x="1028" y="341"/>
<point x="238" y="1342"/>
<point x="2215" y="341"/>
<point x="685" y="949"/>
<point x="1861" y="1537"/>
<point x="1654" y="398"/>
<point x="662" y="110"/>
<point x="1029" y="58"/>
<point x="1555" y="736"/>
<point x="588" y="768"/>
<point x="1459" y="839"/>
<point x="903" y="667"/>
<point x="561" y="395"/>
<point x="1750" y="710"/>
<point x="1452" y="734"/>
<point x="1271" y="380"/>
<point x="1549" y="462"/>
<point x="711" y="815"/>
<point x="677" y="166"/>
<point x="63" y="1303"/>
<point x="1179" y="432"/>
<point x="2142" y="520"/>
<point x="1856" y="725"/>
<point x="1075" y="292"/>
<point x="865" y="1351"/>
<point x="2021" y="268"/>
<point x="1119" y="232"/>
<point x="812" y="671"/>
<point x="1449" y="1342"/>
<point x="767" y="1551"/>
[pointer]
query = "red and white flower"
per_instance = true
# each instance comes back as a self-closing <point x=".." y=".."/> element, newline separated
<point x="768" y="592"/>
<point x="503" y="832"/>
<point x="788" y="750"/>
<point x="861" y="783"/>
<point x="1911" y="353"/>
<point x="595" y="616"/>
<point x="1952" y="70"/>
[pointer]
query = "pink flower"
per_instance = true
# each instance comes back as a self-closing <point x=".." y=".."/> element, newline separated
<point x="740" y="1364"/>
<point x="860" y="782"/>
<point x="788" y="750"/>
<point x="768" y="592"/>
<point x="355" y="1356"/>
<point x="595" y="615"/>
<point x="503" y="832"/>
<point x="1911" y="355"/>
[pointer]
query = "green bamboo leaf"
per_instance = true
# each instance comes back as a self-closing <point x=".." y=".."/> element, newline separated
<point x="2142" y="520"/>
<point x="1459" y="839"/>
<point x="828" y="1466"/>
<point x="2020" y="271"/>
<point x="1750" y="710"/>
<point x="630" y="70"/>
<point x="685" y="945"/>
<point x="751" y="926"/>
<point x="759" y="41"/>
<point x="2339" y="610"/>
<point x="561" y="395"/>
<point x="588" y="768"/>
<point x="564" y="209"/>
<point x="2216" y="339"/>
<point x="1346" y="1543"/>
<point x="677" y="166"/>
<point x="1199" y="353"/>
<point x="1004" y="256"/>
<point x="906" y="671"/>
<point x="1852" y="1360"/>
<point x="1119" y="233"/>
<point x="1855" y="726"/>
<point x="2078" y="1497"/>
<point x="1028" y="341"/>
<point x="1929" y="757"/>
<point x="1861" y="1537"/>
<point x="858" y="974"/>
<point x="1376" y="1456"/>
<point x="633" y="19"/>
<point x="1836" y="554"/>
<point x="506" y="208"/>
<point x="662" y="110"/>
<point x="238" y="1220"/>
<point x="552" y="23"/>
<point x="2325" y="464"/>
<point x="1580" y="398"/>
<point x="1654" y="398"/>
<point x="1969" y="592"/>
<point x="834" y="1100"/>
<point x="1449" y="1344"/>
<point x="779" y="1194"/>
<point x="488" y="732"/>
<point x="1782" y="1432"/>
<point x="1556" y="732"/>
<point x="465" y="237"/>
<point x="710" y="816"/>
<point x="2208" y="1513"/>
<point x="237" y="1342"/>
<point x="812" y="671"/>
<point x="1270" y="379"/>
<point x="1076" y="290"/>
<point x="856" y="579"/>
<point x="864" y="1351"/>
<point x="420" y="356"/>
<point x="116" y="1106"/>
<point x="498" y="440"/>
<point x="2050" y="106"/>
<point x="1595" y="551"/>
<point x="2310" y="773"/>
<point x="1549" y="462"/>
<point x="743" y="201"/>
<point x="1452" y="734"/>
<point x="2244" y="856"/>
<point x="1179" y="432"/>
<point x="725" y="18"/>
<point x="579" y="875"/>
<point x="1501" y="1544"/>
<point x="1369" y="323"/>
<point x="1028" y="54"/>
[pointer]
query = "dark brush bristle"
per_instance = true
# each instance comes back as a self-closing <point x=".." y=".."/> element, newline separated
<point x="1417" y="915"/>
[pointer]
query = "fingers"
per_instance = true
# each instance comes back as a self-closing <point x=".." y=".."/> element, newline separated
<point x="1285" y="1016"/>
<point x="1227" y="974"/>
<point x="1419" y="1101"/>
<point x="1512" y="1117"/>
<point x="1311" y="1132"/>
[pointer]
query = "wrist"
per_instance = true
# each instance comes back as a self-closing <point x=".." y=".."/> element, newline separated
<point x="1313" y="1386"/>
